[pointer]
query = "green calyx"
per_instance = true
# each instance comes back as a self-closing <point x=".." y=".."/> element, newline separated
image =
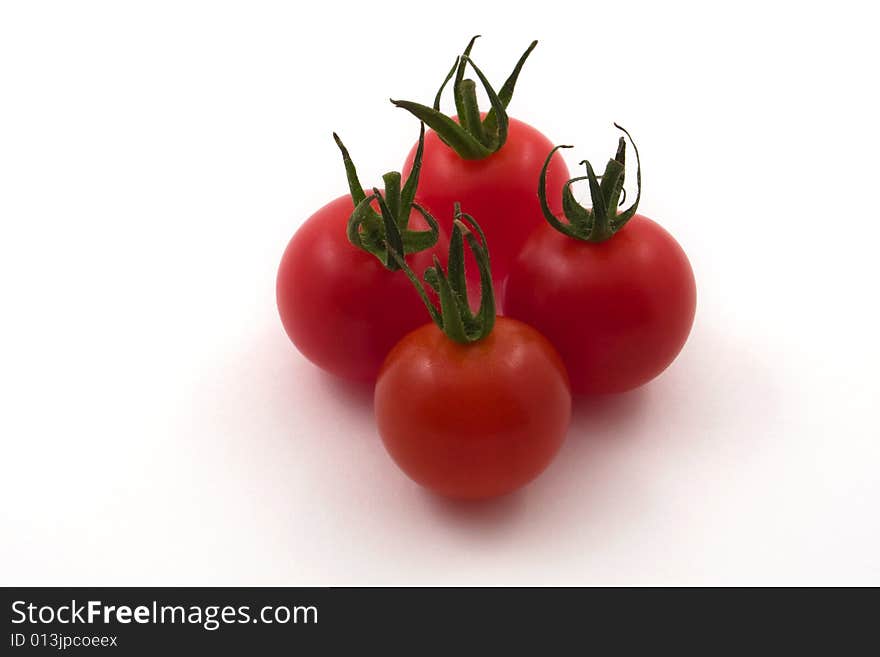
<point x="454" y="317"/>
<point x="472" y="138"/>
<point x="603" y="220"/>
<point x="367" y="229"/>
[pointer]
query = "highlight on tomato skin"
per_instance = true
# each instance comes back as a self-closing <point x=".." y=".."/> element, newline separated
<point x="473" y="421"/>
<point x="612" y="290"/>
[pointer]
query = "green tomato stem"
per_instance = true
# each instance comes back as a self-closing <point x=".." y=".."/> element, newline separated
<point x="367" y="229"/>
<point x="454" y="316"/>
<point x="471" y="137"/>
<point x="603" y="220"/>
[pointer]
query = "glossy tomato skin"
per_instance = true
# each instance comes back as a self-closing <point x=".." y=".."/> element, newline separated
<point x="339" y="305"/>
<point x="500" y="191"/>
<point x="618" y="311"/>
<point x="473" y="421"/>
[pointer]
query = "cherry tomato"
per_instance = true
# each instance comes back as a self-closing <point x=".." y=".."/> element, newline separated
<point x="499" y="191"/>
<point x="613" y="292"/>
<point x="341" y="307"/>
<point x="486" y="161"/>
<point x="618" y="311"/>
<point x="473" y="420"/>
<point x="473" y="405"/>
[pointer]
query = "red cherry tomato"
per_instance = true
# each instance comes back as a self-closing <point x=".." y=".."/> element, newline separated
<point x="473" y="420"/>
<point x="339" y="305"/>
<point x="618" y="311"/>
<point x="499" y="190"/>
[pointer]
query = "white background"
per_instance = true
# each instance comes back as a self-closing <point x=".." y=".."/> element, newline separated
<point x="159" y="428"/>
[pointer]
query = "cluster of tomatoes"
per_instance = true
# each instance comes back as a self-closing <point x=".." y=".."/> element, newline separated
<point x="592" y="300"/>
